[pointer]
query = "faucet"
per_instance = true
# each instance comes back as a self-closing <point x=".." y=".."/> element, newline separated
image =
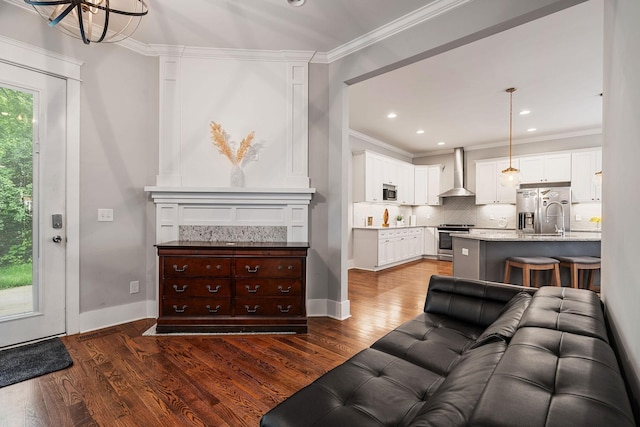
<point x="546" y="213"/>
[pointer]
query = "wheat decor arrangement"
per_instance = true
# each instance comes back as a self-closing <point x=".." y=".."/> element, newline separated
<point x="220" y="141"/>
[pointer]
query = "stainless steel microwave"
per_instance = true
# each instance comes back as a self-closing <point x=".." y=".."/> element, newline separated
<point x="389" y="192"/>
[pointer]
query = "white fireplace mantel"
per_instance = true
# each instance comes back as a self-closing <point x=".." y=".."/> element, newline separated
<point x="210" y="206"/>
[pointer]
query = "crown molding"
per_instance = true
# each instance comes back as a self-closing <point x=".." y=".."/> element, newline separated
<point x="430" y="11"/>
<point x="233" y="54"/>
<point x="378" y="143"/>
<point x="409" y="20"/>
<point x="520" y="141"/>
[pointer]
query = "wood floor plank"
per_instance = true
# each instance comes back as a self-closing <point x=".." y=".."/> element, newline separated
<point x="121" y="378"/>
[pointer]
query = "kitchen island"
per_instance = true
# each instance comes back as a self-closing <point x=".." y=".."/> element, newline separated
<point x="482" y="255"/>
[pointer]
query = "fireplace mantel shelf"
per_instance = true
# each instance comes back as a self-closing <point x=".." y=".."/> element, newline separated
<point x="239" y="195"/>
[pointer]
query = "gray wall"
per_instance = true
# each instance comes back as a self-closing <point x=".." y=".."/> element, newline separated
<point x="118" y="157"/>
<point x="319" y="168"/>
<point x="621" y="151"/>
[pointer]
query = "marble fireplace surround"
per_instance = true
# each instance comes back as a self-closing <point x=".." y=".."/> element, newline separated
<point x="230" y="213"/>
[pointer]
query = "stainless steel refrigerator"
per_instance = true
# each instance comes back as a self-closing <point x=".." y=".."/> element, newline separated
<point x="544" y="208"/>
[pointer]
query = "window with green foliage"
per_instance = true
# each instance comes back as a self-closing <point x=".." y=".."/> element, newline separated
<point x="16" y="183"/>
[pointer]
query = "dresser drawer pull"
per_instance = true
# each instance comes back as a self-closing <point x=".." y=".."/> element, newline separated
<point x="179" y="310"/>
<point x="213" y="291"/>
<point x="184" y="288"/>
<point x="180" y="270"/>
<point x="252" y="310"/>
<point x="284" y="310"/>
<point x="252" y="291"/>
<point x="284" y="291"/>
<point x="218" y="267"/>
<point x="290" y="267"/>
<point x="215" y="310"/>
<point x="252" y="270"/>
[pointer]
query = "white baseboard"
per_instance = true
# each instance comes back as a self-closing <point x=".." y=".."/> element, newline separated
<point x="111" y="316"/>
<point x="328" y="308"/>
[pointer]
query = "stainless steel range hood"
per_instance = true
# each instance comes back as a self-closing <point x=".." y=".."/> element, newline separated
<point x="458" y="189"/>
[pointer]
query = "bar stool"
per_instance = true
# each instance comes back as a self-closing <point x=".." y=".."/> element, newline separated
<point x="580" y="265"/>
<point x="535" y="264"/>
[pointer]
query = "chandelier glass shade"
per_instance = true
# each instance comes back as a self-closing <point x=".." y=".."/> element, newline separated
<point x="93" y="21"/>
<point x="510" y="177"/>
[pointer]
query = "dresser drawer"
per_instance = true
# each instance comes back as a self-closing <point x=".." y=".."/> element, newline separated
<point x="272" y="306"/>
<point x="188" y="287"/>
<point x="268" y="267"/>
<point x="196" y="266"/>
<point x="268" y="287"/>
<point x="190" y="307"/>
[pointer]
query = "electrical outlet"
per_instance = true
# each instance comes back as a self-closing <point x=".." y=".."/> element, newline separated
<point x="492" y="217"/>
<point x="105" y="215"/>
<point x="134" y="287"/>
<point x="578" y="217"/>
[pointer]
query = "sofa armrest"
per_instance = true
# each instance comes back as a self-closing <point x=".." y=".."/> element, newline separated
<point x="474" y="301"/>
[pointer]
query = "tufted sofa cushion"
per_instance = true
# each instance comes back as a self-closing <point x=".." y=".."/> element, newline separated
<point x="453" y="403"/>
<point x="471" y="301"/>
<point x="550" y="378"/>
<point x="431" y="341"/>
<point x="568" y="310"/>
<point x="370" y="389"/>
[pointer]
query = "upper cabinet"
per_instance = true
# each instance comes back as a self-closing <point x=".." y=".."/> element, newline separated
<point x="368" y="177"/>
<point x="405" y="184"/>
<point x="555" y="167"/>
<point x="488" y="187"/>
<point x="584" y="165"/>
<point x="372" y="170"/>
<point x="427" y="185"/>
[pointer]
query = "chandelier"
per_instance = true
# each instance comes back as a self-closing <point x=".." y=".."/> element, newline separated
<point x="93" y="21"/>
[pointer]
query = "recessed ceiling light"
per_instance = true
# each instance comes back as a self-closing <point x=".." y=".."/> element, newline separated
<point x="392" y="115"/>
<point x="441" y="143"/>
<point x="296" y="2"/>
<point x="420" y="132"/>
<point x="525" y="112"/>
<point x="532" y="130"/>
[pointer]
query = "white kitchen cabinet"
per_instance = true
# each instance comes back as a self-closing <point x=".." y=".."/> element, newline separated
<point x="406" y="184"/>
<point x="584" y="165"/>
<point x="554" y="167"/>
<point x="375" y="249"/>
<point x="427" y="185"/>
<point x="369" y="172"/>
<point x="430" y="247"/>
<point x="488" y="187"/>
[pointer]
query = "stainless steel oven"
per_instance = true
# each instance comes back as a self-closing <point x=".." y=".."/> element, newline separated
<point x="445" y="241"/>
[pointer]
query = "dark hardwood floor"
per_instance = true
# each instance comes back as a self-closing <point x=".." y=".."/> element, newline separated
<point x="121" y="378"/>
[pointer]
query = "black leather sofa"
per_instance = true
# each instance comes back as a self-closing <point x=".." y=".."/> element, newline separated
<point x="481" y="354"/>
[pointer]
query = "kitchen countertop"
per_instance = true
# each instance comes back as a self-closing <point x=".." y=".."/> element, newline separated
<point x="512" y="236"/>
<point x="390" y="227"/>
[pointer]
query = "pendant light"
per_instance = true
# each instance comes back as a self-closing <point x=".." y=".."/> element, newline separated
<point x="92" y="21"/>
<point x="510" y="177"/>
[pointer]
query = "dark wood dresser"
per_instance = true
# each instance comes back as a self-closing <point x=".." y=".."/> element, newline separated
<point x="232" y="287"/>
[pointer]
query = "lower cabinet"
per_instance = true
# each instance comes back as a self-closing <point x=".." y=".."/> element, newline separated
<point x="375" y="249"/>
<point x="218" y="287"/>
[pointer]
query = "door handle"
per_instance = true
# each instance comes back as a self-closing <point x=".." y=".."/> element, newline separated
<point x="57" y="239"/>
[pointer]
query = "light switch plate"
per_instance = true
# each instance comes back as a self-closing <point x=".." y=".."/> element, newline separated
<point x="105" y="215"/>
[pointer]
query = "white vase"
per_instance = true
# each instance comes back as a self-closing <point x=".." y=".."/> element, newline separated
<point x="237" y="176"/>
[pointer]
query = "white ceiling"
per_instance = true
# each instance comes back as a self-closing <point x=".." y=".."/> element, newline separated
<point x="555" y="63"/>
<point x="318" y="25"/>
<point x="457" y="97"/>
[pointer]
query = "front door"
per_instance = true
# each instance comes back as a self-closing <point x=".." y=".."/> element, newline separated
<point x="32" y="205"/>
